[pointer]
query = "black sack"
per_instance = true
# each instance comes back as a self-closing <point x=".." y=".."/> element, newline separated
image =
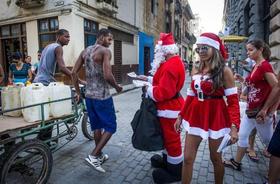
<point x="147" y="134"/>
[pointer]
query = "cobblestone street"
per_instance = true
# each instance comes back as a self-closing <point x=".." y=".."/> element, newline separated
<point x="127" y="165"/>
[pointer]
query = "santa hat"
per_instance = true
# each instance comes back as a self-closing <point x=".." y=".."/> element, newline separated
<point x="167" y="43"/>
<point x="212" y="40"/>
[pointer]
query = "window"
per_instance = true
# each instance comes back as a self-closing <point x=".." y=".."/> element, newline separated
<point x="90" y="29"/>
<point x="154" y="5"/>
<point x="47" y="31"/>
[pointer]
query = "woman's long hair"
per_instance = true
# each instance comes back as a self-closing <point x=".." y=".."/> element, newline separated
<point x="217" y="65"/>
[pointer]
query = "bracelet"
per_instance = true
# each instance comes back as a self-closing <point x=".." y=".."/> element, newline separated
<point x="233" y="126"/>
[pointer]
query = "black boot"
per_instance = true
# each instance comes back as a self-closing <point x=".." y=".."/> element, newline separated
<point x="158" y="161"/>
<point x="173" y="173"/>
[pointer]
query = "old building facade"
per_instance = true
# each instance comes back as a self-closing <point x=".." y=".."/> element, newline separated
<point x="29" y="25"/>
<point x="253" y="19"/>
<point x="178" y="17"/>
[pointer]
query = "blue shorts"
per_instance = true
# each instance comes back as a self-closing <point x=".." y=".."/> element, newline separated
<point x="101" y="114"/>
<point x="274" y="145"/>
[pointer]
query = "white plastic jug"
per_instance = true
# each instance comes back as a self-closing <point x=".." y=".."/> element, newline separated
<point x="35" y="93"/>
<point x="59" y="91"/>
<point x="10" y="99"/>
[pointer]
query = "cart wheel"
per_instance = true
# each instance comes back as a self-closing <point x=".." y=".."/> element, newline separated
<point x="86" y="127"/>
<point x="73" y="132"/>
<point x="27" y="162"/>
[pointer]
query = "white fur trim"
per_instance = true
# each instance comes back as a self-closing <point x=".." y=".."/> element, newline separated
<point x="204" y="134"/>
<point x="168" y="114"/>
<point x="175" y="160"/>
<point x="208" y="41"/>
<point x="231" y="91"/>
<point x="150" y="79"/>
<point x="150" y="92"/>
<point x="190" y="92"/>
<point x="196" y="77"/>
<point x="169" y="49"/>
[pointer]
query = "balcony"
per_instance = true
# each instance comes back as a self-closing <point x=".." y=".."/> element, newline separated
<point x="107" y="6"/>
<point x="30" y="3"/>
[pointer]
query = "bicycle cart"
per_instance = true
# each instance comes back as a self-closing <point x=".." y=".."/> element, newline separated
<point x="24" y="158"/>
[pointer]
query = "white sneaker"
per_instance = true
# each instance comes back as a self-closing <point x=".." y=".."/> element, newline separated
<point x="103" y="158"/>
<point x="95" y="163"/>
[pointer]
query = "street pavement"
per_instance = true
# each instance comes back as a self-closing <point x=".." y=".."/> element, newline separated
<point x="127" y="165"/>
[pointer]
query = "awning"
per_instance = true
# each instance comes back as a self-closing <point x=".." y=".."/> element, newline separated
<point x="234" y="38"/>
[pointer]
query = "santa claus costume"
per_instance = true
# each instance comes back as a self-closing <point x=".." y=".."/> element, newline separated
<point x="205" y="112"/>
<point x="168" y="80"/>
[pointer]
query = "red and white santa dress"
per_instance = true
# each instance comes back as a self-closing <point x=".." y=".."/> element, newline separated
<point x="206" y="113"/>
<point x="165" y="90"/>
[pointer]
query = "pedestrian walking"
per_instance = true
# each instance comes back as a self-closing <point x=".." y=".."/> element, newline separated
<point x="99" y="102"/>
<point x="205" y="114"/>
<point x="259" y="84"/>
<point x="274" y="146"/>
<point x="166" y="84"/>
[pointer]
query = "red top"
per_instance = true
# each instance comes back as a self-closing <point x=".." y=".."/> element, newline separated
<point x="258" y="88"/>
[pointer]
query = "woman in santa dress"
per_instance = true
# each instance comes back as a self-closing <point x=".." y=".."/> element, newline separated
<point x="205" y="114"/>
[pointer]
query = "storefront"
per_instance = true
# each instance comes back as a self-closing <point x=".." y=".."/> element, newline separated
<point x="13" y="39"/>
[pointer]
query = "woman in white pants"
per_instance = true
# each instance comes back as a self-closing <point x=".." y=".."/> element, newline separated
<point x="259" y="83"/>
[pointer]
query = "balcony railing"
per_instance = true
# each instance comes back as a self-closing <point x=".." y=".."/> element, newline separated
<point x="107" y="6"/>
<point x="30" y="3"/>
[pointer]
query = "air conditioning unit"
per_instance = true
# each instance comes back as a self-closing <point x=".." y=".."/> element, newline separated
<point x="30" y="3"/>
<point x="107" y="7"/>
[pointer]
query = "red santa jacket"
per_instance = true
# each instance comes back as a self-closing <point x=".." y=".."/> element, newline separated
<point x="167" y="83"/>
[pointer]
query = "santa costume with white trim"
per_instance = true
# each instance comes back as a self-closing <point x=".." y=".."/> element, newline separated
<point x="168" y="80"/>
<point x="210" y="116"/>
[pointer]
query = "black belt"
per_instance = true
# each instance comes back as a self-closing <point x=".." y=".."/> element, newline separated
<point x="210" y="97"/>
<point x="177" y="95"/>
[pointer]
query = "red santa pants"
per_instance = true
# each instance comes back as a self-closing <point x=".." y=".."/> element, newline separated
<point x="172" y="140"/>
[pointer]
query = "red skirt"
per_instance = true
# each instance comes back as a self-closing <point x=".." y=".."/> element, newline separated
<point x="207" y="119"/>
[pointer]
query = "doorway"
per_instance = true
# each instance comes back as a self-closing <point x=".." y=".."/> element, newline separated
<point x="147" y="62"/>
<point x="12" y="39"/>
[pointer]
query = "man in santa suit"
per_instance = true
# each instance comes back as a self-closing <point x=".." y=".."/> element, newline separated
<point x="167" y="81"/>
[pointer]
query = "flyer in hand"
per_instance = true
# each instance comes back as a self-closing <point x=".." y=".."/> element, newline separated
<point x="225" y="143"/>
<point x="140" y="83"/>
<point x="131" y="74"/>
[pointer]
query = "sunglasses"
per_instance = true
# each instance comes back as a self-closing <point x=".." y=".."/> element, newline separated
<point x="203" y="49"/>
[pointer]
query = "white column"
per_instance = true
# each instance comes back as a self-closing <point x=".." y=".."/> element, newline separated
<point x="75" y="25"/>
<point x="32" y="40"/>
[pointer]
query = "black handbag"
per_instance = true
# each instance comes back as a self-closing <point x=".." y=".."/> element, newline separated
<point x="252" y="113"/>
<point x="147" y="134"/>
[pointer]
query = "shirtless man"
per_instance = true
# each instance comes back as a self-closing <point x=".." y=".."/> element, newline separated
<point x="99" y="102"/>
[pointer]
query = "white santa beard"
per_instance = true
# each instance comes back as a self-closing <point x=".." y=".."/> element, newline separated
<point x="158" y="59"/>
<point x="160" y="53"/>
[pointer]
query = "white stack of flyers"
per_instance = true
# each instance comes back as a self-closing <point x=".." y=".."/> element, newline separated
<point x="140" y="83"/>
<point x="225" y="143"/>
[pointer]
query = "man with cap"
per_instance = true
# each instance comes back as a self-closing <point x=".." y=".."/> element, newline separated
<point x="168" y="79"/>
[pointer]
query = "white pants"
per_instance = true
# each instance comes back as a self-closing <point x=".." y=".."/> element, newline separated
<point x="264" y="130"/>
